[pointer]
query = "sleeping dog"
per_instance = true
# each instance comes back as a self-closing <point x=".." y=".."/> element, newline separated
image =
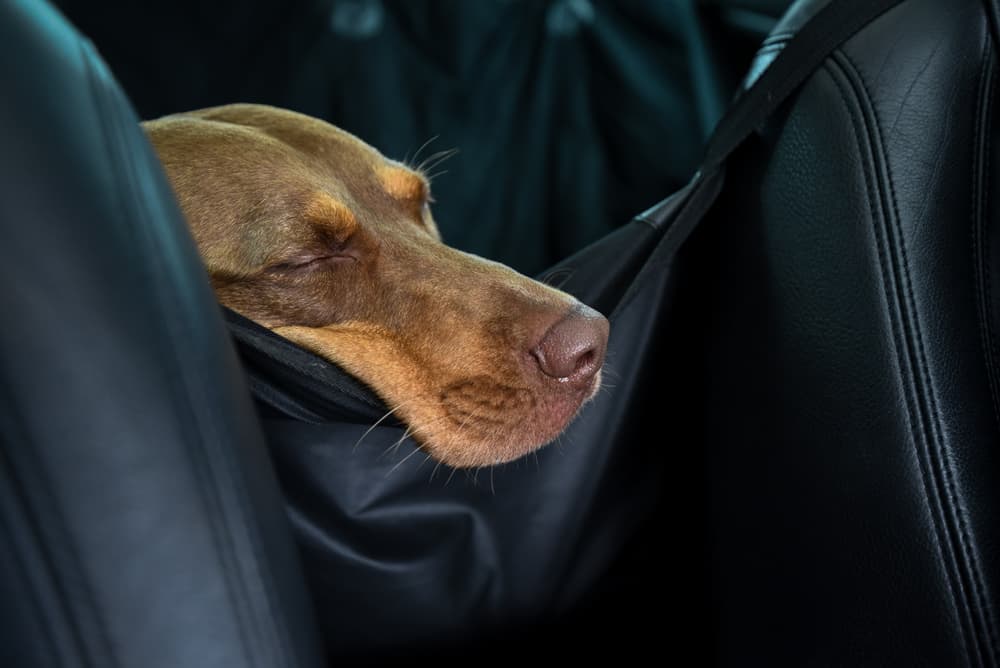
<point x="312" y="233"/>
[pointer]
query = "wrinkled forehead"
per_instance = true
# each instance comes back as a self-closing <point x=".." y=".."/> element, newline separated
<point x="329" y="151"/>
<point x="361" y="167"/>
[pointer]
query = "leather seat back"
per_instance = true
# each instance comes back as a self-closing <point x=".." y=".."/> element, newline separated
<point x="140" y="523"/>
<point x="850" y="366"/>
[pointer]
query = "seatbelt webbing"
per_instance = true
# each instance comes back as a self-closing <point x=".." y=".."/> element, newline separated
<point x="804" y="53"/>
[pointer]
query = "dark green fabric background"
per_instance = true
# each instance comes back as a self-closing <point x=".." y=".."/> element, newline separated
<point x="569" y="116"/>
<point x="564" y="121"/>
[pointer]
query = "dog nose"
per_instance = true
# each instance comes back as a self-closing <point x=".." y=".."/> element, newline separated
<point x="573" y="349"/>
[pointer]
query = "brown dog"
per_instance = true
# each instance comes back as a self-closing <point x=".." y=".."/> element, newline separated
<point x="311" y="232"/>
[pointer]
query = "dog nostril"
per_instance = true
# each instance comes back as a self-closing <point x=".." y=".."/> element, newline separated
<point x="586" y="360"/>
<point x="573" y="348"/>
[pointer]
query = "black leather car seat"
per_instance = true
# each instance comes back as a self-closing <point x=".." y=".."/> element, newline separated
<point x="850" y="366"/>
<point x="140" y="523"/>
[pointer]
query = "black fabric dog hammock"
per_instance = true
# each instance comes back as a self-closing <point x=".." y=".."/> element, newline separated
<point x="399" y="551"/>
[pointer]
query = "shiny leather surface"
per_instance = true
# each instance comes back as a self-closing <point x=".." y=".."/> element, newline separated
<point x="850" y="360"/>
<point x="140" y="523"/>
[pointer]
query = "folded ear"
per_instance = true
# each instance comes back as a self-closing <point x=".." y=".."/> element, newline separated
<point x="404" y="184"/>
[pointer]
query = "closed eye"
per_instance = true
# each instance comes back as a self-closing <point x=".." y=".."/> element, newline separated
<point x="311" y="263"/>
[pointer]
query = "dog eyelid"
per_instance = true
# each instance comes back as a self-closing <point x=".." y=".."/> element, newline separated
<point x="293" y="266"/>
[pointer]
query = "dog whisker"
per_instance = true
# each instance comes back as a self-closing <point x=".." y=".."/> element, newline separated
<point x="434" y="160"/>
<point x="408" y="432"/>
<point x="377" y="423"/>
<point x="609" y="367"/>
<point x="564" y="281"/>
<point x="557" y="278"/>
<point x="395" y="447"/>
<point x="392" y="449"/>
<point x="431" y="177"/>
<point x="410" y="162"/>
<point x="559" y="445"/>
<point x="401" y="462"/>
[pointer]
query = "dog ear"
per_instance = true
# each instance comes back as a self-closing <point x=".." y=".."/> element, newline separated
<point x="413" y="190"/>
<point x="404" y="184"/>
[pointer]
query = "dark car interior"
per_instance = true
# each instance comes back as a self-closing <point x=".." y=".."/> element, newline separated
<point x="787" y="210"/>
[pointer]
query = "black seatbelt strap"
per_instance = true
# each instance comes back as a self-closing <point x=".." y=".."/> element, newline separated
<point x="804" y="53"/>
<point x="682" y="212"/>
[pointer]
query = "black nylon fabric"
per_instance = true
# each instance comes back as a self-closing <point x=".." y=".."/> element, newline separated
<point x="401" y="553"/>
<point x="576" y="99"/>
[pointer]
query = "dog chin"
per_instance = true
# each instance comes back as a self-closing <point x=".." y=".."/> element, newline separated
<point x="474" y="439"/>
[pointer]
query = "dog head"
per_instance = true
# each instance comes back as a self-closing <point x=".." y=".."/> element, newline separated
<point x="312" y="233"/>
